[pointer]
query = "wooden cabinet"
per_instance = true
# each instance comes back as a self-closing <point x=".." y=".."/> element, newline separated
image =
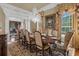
<point x="3" y="45"/>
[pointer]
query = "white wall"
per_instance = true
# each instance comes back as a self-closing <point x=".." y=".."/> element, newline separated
<point x="15" y="14"/>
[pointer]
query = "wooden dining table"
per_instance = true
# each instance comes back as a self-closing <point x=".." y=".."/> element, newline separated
<point x="50" y="40"/>
<point x="46" y="38"/>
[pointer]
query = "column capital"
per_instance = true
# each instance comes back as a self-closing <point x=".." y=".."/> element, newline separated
<point x="41" y="13"/>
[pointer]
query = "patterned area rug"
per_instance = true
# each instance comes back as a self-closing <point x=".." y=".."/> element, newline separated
<point x="15" y="49"/>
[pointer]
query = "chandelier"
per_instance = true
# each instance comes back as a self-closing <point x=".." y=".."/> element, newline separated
<point x="36" y="17"/>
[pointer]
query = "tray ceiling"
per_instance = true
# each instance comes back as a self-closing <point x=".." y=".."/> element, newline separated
<point x="29" y="6"/>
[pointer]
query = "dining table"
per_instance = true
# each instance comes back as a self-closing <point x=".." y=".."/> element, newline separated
<point x="49" y="39"/>
<point x="46" y="38"/>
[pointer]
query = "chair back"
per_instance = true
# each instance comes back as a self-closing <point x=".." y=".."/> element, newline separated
<point x="27" y="36"/>
<point x="38" y="39"/>
<point x="21" y="34"/>
<point x="17" y="35"/>
<point x="68" y="37"/>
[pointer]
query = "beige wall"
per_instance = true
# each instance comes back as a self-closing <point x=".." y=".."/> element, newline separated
<point x="2" y="22"/>
<point x="71" y="9"/>
<point x="51" y="11"/>
<point x="33" y="26"/>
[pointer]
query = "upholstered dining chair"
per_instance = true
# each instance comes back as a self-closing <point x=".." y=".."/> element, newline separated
<point x="17" y="35"/>
<point x="21" y="36"/>
<point x="30" y="42"/>
<point x="40" y="46"/>
<point x="63" y="48"/>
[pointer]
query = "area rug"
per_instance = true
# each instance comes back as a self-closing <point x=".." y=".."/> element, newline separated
<point x="15" y="49"/>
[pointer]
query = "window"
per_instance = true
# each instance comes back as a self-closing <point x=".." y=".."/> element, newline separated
<point x="66" y="22"/>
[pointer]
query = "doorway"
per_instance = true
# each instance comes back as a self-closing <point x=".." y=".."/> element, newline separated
<point x="13" y="26"/>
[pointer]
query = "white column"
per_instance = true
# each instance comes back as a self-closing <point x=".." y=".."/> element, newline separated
<point x="29" y="24"/>
<point x="26" y="23"/>
<point x="37" y="26"/>
<point x="7" y="28"/>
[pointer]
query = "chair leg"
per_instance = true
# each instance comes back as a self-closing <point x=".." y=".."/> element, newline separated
<point x="36" y="51"/>
<point x="67" y="53"/>
<point x="27" y="46"/>
<point x="50" y="51"/>
<point x="30" y="47"/>
<point x="43" y="52"/>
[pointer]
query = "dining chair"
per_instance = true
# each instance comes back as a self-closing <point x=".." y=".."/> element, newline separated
<point x="30" y="42"/>
<point x="63" y="48"/>
<point x="40" y="46"/>
<point x="17" y="35"/>
<point x="21" y="37"/>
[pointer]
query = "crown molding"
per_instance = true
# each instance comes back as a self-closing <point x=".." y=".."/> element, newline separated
<point x="47" y="7"/>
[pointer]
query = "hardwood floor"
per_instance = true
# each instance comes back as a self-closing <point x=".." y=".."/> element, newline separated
<point x="77" y="53"/>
